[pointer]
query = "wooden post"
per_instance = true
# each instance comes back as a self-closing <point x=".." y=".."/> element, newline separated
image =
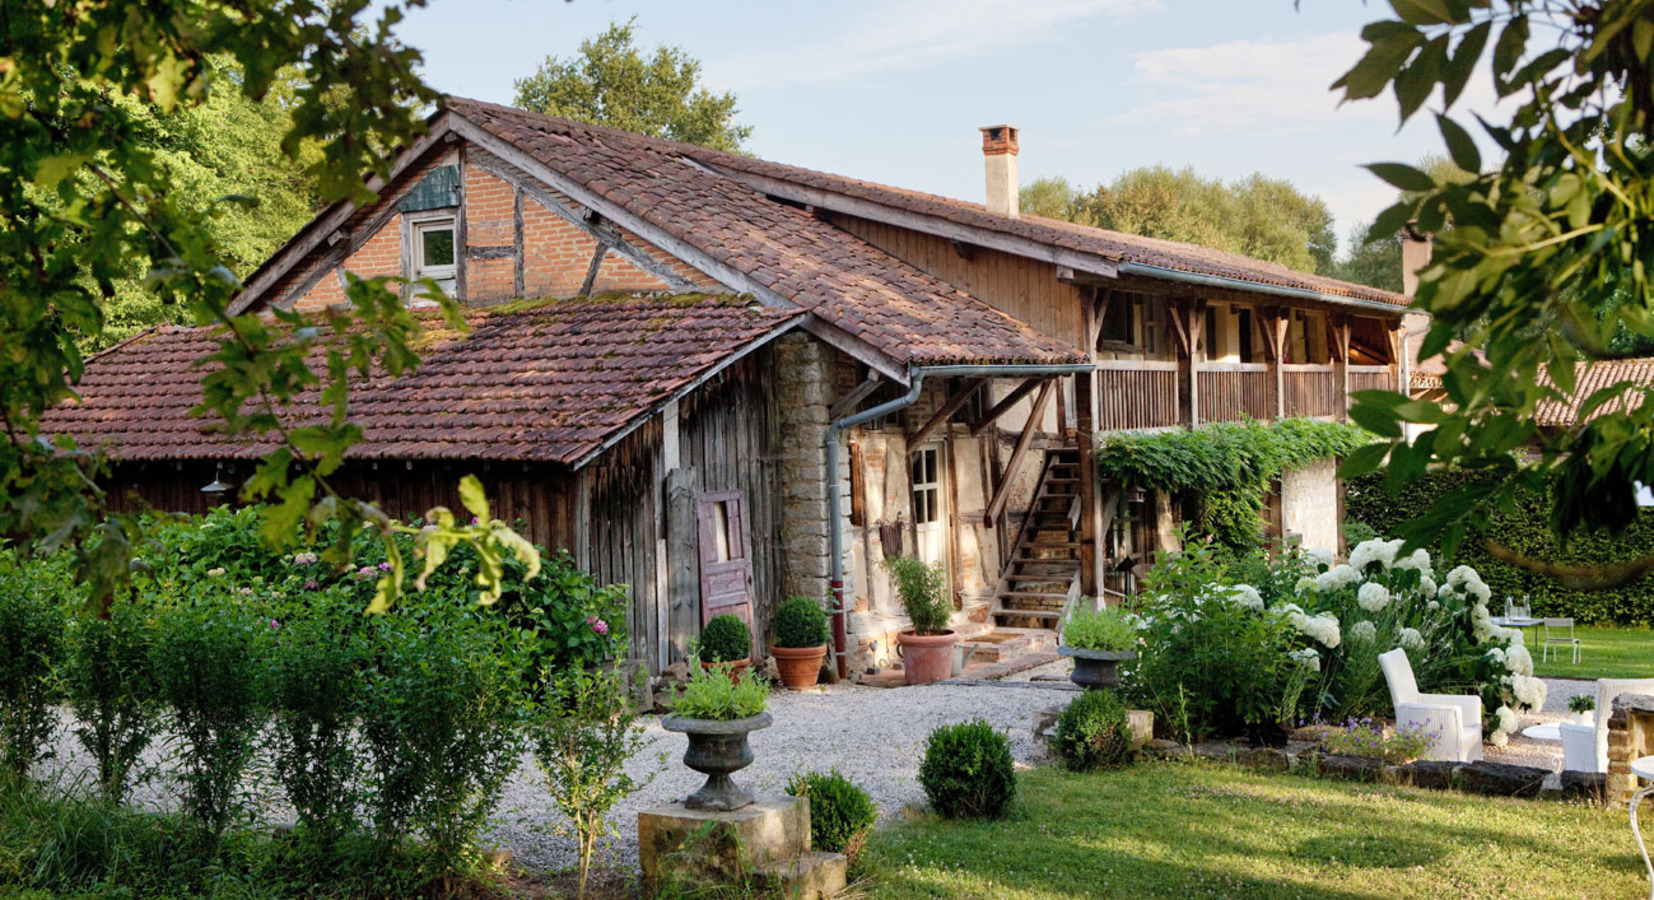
<point x="1341" y="364"/>
<point x="1189" y="321"/>
<point x="1274" y="324"/>
<point x="683" y="555"/>
<point x="1085" y="404"/>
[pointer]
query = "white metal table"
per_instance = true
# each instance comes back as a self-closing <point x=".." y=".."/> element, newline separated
<point x="1551" y="732"/>
<point x="1521" y="623"/>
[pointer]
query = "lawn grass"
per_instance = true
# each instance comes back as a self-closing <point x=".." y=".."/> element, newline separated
<point x="1604" y="653"/>
<point x="1196" y="830"/>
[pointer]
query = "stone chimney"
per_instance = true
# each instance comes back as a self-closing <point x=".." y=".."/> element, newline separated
<point x="999" y="156"/>
<point x="1415" y="255"/>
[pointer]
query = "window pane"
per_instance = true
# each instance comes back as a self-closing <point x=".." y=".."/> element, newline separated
<point x="439" y="246"/>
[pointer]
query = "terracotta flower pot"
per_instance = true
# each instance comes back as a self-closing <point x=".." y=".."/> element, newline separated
<point x="717" y="749"/>
<point x="732" y="669"/>
<point x="926" y="657"/>
<point x="1096" y="669"/>
<point x="800" y="666"/>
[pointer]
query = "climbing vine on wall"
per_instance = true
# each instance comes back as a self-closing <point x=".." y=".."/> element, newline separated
<point x="1225" y="469"/>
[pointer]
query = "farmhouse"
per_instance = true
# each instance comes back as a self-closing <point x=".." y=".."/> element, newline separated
<point x="734" y="381"/>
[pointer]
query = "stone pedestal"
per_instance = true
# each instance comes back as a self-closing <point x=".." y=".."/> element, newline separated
<point x="1630" y="736"/>
<point x="1140" y="721"/>
<point x="768" y="840"/>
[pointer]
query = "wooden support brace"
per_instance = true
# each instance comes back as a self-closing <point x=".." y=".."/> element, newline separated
<point x="997" y="504"/>
<point x="999" y="409"/>
<point x="948" y="409"/>
<point x="856" y="396"/>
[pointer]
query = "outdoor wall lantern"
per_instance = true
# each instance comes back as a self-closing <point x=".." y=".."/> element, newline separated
<point x="217" y="486"/>
<point x="1137" y="496"/>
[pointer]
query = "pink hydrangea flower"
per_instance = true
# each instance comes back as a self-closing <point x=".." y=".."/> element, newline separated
<point x="597" y="625"/>
<point x="385" y="566"/>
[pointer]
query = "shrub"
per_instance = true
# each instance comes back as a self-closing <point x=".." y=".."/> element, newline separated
<point x="712" y="695"/>
<point x="31" y="632"/>
<point x="1367" y="737"/>
<point x="725" y="639"/>
<point x="967" y="772"/>
<point x="840" y="812"/>
<point x="1094" y="732"/>
<point x="923" y="589"/>
<point x="800" y="622"/>
<point x="108" y="680"/>
<point x="203" y="659"/>
<point x="1105" y="629"/>
<point x="1581" y="703"/>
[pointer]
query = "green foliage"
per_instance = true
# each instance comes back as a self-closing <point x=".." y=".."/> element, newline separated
<point x="725" y="639"/>
<point x="31" y="641"/>
<point x="1523" y="527"/>
<point x="1369" y="737"/>
<point x="841" y="813"/>
<point x="717" y="696"/>
<point x="1373" y="260"/>
<point x="611" y="82"/>
<point x="923" y="588"/>
<point x="108" y="679"/>
<point x="1103" y="629"/>
<point x="800" y="622"/>
<point x="1225" y="469"/>
<point x="1094" y="732"/>
<point x="1582" y="703"/>
<point x="582" y="741"/>
<point x="967" y="772"/>
<point x="1544" y="261"/>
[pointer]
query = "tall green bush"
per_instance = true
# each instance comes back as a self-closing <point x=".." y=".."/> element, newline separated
<point x="1094" y="732"/>
<point x="923" y="588"/>
<point x="31" y="638"/>
<point x="108" y="680"/>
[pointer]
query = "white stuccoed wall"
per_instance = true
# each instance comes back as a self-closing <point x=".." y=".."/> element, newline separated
<point x="1309" y="504"/>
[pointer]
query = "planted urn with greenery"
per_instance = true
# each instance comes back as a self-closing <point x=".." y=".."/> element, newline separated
<point x="927" y="648"/>
<point x="1582" y="705"/>
<point x="1098" y="641"/>
<point x="716" y="714"/>
<point x="800" y="642"/>
<point x="725" y="644"/>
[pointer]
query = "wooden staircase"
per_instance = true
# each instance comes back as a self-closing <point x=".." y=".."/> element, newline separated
<point x="1042" y="576"/>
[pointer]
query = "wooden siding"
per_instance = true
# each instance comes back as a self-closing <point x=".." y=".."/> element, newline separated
<point x="1311" y="389"/>
<point x="1371" y="378"/>
<point x="625" y="524"/>
<point x="1027" y="289"/>
<point x="1136" y="394"/>
<point x="1233" y="392"/>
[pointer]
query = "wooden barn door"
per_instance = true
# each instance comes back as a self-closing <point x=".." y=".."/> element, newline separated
<point x="726" y="556"/>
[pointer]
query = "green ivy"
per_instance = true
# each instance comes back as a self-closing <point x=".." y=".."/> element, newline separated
<point x="1524" y="526"/>
<point x="1225" y="469"/>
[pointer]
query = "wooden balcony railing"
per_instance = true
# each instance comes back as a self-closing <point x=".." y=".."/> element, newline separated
<point x="1309" y="389"/>
<point x="1231" y="392"/>
<point x="1136" y="394"/>
<point x="1372" y="378"/>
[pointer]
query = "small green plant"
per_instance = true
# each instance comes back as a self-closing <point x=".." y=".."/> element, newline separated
<point x="967" y="772"/>
<point x="725" y="639"/>
<point x="840" y="812"/>
<point x="31" y="630"/>
<point x="1367" y="737"/>
<point x="800" y="622"/>
<point x="1582" y="703"/>
<point x="713" y="695"/>
<point x="1094" y="732"/>
<point x="923" y="588"/>
<point x="1103" y="629"/>
<point x="315" y="683"/>
<point x="108" y="682"/>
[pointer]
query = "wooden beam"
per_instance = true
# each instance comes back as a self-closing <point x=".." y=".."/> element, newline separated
<point x="947" y="409"/>
<point x="997" y="504"/>
<point x="856" y="348"/>
<point x="1341" y="365"/>
<point x="1085" y="434"/>
<point x="1102" y="304"/>
<point x="1274" y="322"/>
<point x="999" y="409"/>
<point x="855" y="397"/>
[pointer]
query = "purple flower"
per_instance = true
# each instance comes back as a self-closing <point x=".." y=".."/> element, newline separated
<point x="366" y="572"/>
<point x="311" y="584"/>
<point x="597" y="625"/>
<point x="475" y="521"/>
<point x="274" y="624"/>
<point x="385" y="566"/>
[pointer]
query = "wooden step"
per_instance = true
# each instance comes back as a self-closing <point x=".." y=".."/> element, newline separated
<point x="1067" y="562"/>
<point x="1051" y="545"/>
<point x="1030" y="613"/>
<point x="1056" y="578"/>
<point x="1033" y="595"/>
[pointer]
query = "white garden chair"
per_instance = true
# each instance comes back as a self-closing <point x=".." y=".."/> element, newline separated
<point x="1597" y="760"/>
<point x="1454" y="720"/>
<point x="1559" y="633"/>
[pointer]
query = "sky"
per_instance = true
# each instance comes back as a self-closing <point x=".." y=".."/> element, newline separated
<point x="894" y="90"/>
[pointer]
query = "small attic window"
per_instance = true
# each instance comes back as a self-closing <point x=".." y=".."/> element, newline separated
<point x="433" y="249"/>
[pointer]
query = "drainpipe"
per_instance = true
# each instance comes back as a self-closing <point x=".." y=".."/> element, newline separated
<point x="835" y="488"/>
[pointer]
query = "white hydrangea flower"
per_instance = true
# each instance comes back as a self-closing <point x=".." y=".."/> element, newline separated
<point x="1373" y="596"/>
<point x="1418" y="561"/>
<point x="1306" y="583"/>
<point x="1326" y="631"/>
<point x="1411" y="639"/>
<point x="1247" y="596"/>
<point x="1498" y="739"/>
<point x="1461" y="574"/>
<point x="1307" y="657"/>
<point x="1519" y="660"/>
<point x="1320" y="556"/>
<point x="1365" y="554"/>
<point x="1337" y="577"/>
<point x="1427" y="588"/>
<point x="1496" y="656"/>
<point x="1433" y="605"/>
<point x="1479" y="590"/>
<point x="1508" y="722"/>
<point x="1528" y="691"/>
<point x="1364" y="632"/>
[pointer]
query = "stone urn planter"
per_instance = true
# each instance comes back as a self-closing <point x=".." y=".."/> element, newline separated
<point x="800" y="666"/>
<point x="926" y="657"/>
<point x="1096" y="669"/>
<point x="717" y="749"/>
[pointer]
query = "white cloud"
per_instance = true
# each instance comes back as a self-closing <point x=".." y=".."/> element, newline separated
<point x="903" y="35"/>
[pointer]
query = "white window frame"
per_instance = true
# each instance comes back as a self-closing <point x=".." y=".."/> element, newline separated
<point x="434" y="220"/>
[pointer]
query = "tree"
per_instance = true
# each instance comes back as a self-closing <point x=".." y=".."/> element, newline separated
<point x="1548" y="255"/>
<point x="88" y="198"/>
<point x="610" y="82"/>
<point x="1260" y="217"/>
<point x="1374" y="261"/>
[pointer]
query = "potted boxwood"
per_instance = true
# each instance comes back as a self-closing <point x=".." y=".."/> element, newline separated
<point x="1581" y="706"/>
<point x="717" y="714"/>
<point x="725" y="645"/>
<point x="927" y="648"/>
<point x="800" y="642"/>
<point x="1098" y="641"/>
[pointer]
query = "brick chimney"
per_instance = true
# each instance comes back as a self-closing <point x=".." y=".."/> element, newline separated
<point x="999" y="156"/>
<point x="1415" y="255"/>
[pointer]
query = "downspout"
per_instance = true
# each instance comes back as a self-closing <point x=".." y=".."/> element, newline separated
<point x="835" y="487"/>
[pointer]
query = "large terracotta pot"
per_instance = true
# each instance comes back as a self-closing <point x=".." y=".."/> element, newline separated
<point x="800" y="666"/>
<point x="717" y="749"/>
<point x="1096" y="669"/>
<point x="732" y="669"/>
<point x="926" y="657"/>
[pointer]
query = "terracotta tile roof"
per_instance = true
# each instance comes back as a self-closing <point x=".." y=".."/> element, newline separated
<point x="548" y="384"/>
<point x="907" y="314"/>
<point x="1587" y="381"/>
<point x="1113" y="245"/>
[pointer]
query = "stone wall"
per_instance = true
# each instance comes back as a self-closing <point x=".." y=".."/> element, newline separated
<point x="804" y="377"/>
<point x="1630" y="736"/>
<point x="1309" y="504"/>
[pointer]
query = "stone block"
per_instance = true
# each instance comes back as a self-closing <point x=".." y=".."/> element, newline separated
<point x="1584" y="786"/>
<point x="1141" y="723"/>
<point x="692" y="846"/>
<point x="1349" y="768"/>
<point x="811" y="876"/>
<point x="1500" y="779"/>
<point x="1263" y="759"/>
<point x="1427" y="773"/>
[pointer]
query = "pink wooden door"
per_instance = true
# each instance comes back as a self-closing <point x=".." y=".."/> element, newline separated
<point x="726" y="556"/>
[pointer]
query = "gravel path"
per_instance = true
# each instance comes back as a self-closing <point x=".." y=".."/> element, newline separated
<point x="1544" y="754"/>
